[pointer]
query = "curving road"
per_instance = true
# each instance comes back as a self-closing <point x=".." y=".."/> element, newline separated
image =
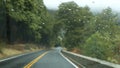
<point x="42" y="59"/>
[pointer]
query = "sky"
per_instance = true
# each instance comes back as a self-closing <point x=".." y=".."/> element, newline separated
<point x="95" y="5"/>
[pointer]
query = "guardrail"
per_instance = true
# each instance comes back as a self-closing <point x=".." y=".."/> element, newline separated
<point x="88" y="62"/>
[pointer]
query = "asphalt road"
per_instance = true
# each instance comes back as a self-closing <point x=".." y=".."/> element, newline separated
<point x="41" y="59"/>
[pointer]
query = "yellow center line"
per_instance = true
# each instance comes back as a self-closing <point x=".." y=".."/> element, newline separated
<point x="35" y="60"/>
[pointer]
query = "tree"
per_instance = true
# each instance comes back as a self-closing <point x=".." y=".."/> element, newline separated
<point x="47" y="30"/>
<point x="2" y="21"/>
<point x="74" y="18"/>
<point x="26" y="19"/>
<point x="104" y="39"/>
<point x="106" y="21"/>
<point x="97" y="46"/>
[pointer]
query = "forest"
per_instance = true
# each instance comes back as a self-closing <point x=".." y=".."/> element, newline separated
<point x="76" y="28"/>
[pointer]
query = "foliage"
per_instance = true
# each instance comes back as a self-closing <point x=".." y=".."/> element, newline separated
<point x="74" y="18"/>
<point x="97" y="35"/>
<point x="104" y="41"/>
<point x="2" y="21"/>
<point x="98" y="46"/>
<point x="29" y="21"/>
<point x="71" y="26"/>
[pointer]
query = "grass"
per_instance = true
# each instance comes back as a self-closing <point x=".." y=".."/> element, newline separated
<point x="11" y="50"/>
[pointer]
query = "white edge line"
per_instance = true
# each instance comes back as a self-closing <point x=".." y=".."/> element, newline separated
<point x="96" y="60"/>
<point x="78" y="63"/>
<point x="68" y="60"/>
<point x="11" y="58"/>
<point x="2" y="60"/>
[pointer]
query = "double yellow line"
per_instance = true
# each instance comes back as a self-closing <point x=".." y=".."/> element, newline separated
<point x="35" y="60"/>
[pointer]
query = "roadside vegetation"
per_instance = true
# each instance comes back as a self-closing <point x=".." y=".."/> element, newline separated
<point x="16" y="49"/>
<point x="80" y="30"/>
<point x="24" y="25"/>
<point x="88" y="33"/>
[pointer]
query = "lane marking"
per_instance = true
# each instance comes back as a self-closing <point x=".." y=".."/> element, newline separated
<point x="103" y="62"/>
<point x="68" y="60"/>
<point x="76" y="62"/>
<point x="35" y="60"/>
<point x="13" y="57"/>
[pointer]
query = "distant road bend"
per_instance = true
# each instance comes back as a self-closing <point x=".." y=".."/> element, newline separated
<point x="41" y="59"/>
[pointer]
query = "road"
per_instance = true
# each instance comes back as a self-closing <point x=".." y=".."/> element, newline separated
<point x="41" y="59"/>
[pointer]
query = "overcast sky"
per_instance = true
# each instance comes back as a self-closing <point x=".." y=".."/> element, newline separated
<point x="95" y="5"/>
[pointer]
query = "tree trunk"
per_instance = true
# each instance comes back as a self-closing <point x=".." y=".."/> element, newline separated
<point x="8" y="30"/>
<point x="8" y="36"/>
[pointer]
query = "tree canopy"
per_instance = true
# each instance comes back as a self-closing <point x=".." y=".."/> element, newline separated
<point x="71" y="26"/>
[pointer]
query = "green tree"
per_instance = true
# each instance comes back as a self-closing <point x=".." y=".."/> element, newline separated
<point x="104" y="39"/>
<point x="2" y="21"/>
<point x="98" y="46"/>
<point x="74" y="18"/>
<point x="27" y="19"/>
<point x="47" y="30"/>
<point x="106" y="21"/>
